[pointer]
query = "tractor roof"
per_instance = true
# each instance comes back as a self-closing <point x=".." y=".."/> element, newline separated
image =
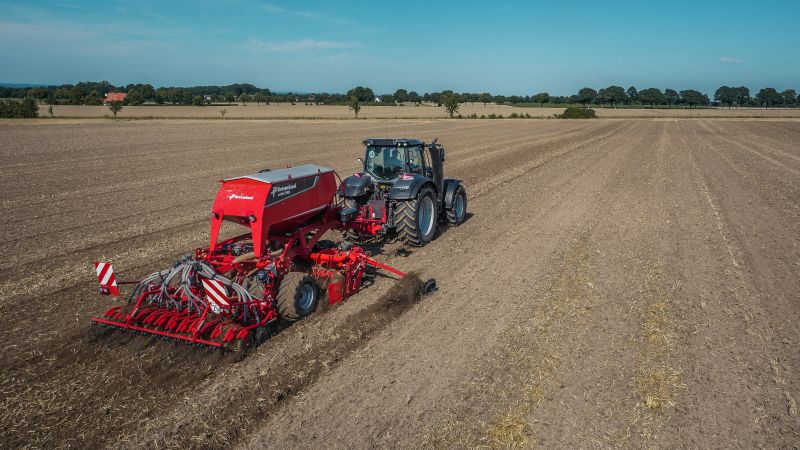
<point x="393" y="142"/>
<point x="276" y="176"/>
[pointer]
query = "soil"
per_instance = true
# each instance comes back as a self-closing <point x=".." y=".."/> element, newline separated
<point x="618" y="283"/>
<point x="408" y="111"/>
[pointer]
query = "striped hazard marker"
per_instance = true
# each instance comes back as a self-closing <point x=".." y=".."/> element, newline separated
<point x="217" y="295"/>
<point x="105" y="275"/>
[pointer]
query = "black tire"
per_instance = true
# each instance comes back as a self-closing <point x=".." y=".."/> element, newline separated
<point x="293" y="299"/>
<point x="457" y="214"/>
<point x="407" y="218"/>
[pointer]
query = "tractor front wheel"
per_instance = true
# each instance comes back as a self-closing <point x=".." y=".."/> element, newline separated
<point x="457" y="213"/>
<point x="415" y="219"/>
<point x="297" y="296"/>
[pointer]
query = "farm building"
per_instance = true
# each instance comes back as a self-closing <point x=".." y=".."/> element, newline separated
<point x="114" y="96"/>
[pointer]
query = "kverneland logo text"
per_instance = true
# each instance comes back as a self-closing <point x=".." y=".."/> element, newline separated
<point x="240" y="197"/>
<point x="280" y="190"/>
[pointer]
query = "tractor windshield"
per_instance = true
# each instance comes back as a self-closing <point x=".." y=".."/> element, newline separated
<point x="385" y="162"/>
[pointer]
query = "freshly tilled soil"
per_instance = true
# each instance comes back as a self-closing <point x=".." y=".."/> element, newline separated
<point x="618" y="283"/>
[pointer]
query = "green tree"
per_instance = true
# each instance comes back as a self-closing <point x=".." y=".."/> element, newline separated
<point x="353" y="105"/>
<point x="50" y="111"/>
<point x="401" y="96"/>
<point x="693" y="98"/>
<point x="134" y="98"/>
<point x="612" y="95"/>
<point x="14" y="109"/>
<point x="651" y="96"/>
<point x="115" y="107"/>
<point x="768" y="97"/>
<point x="485" y="98"/>
<point x="726" y="95"/>
<point x="363" y="94"/>
<point x="632" y="94"/>
<point x="450" y="103"/>
<point x="259" y="98"/>
<point x="586" y="96"/>
<point x="244" y="98"/>
<point x="672" y="97"/>
<point x="230" y="97"/>
<point x="541" y="98"/>
<point x="789" y="97"/>
<point x="742" y="95"/>
<point x="147" y="93"/>
<point x="198" y="100"/>
<point x="140" y="93"/>
<point x="30" y="107"/>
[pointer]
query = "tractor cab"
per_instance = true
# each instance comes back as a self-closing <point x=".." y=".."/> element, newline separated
<point x="388" y="160"/>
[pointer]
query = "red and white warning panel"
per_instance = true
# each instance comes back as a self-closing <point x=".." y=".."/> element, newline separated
<point x="217" y="295"/>
<point x="105" y="275"/>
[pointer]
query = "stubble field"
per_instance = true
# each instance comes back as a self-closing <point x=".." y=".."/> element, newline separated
<point x="426" y="111"/>
<point x="620" y="283"/>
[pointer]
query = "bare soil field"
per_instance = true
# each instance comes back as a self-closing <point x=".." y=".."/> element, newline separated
<point x="620" y="283"/>
<point x="300" y="111"/>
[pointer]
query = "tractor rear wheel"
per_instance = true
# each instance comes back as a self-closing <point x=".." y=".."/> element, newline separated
<point x="297" y="296"/>
<point x="415" y="219"/>
<point x="457" y="213"/>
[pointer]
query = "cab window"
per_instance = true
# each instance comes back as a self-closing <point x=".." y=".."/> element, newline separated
<point x="384" y="162"/>
<point x="415" y="164"/>
<point x="426" y="157"/>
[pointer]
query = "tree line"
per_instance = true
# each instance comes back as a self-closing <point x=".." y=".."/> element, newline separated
<point x="92" y="93"/>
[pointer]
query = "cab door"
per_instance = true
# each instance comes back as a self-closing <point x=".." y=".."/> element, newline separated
<point x="433" y="171"/>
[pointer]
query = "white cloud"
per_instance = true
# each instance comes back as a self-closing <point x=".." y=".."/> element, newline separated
<point x="729" y="60"/>
<point x="300" y="45"/>
<point x="268" y="7"/>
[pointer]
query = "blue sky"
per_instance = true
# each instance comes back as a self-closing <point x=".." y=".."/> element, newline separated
<point x="510" y="47"/>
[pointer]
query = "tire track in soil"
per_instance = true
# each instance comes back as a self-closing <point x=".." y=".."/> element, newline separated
<point x="778" y="158"/>
<point x="750" y="310"/>
<point x="618" y="385"/>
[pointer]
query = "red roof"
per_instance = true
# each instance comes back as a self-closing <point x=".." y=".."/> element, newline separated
<point x="115" y="96"/>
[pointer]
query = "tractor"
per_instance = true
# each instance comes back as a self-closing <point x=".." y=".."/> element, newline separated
<point x="401" y="191"/>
